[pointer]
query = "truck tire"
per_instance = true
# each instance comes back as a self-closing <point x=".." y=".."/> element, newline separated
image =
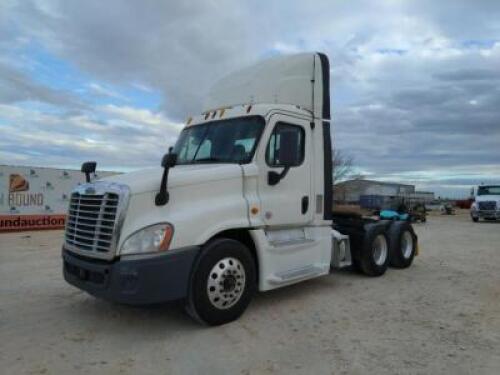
<point x="222" y="283"/>
<point x="474" y="219"/>
<point x="402" y="244"/>
<point x="374" y="255"/>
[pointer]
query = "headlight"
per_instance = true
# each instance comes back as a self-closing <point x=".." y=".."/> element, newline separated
<point x="150" y="239"/>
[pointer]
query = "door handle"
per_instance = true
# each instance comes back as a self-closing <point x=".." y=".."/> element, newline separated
<point x="305" y="204"/>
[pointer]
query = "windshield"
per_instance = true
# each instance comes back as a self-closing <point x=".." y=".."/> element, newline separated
<point x="225" y="141"/>
<point x="488" y="190"/>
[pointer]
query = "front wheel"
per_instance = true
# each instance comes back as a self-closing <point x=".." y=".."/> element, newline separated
<point x="474" y="219"/>
<point x="223" y="282"/>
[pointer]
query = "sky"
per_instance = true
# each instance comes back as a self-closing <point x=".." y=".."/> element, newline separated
<point x="415" y="85"/>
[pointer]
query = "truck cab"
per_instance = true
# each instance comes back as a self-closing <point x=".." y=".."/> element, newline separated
<point x="242" y="203"/>
<point x="486" y="204"/>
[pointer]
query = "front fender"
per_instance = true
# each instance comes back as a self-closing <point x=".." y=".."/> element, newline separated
<point x="197" y="212"/>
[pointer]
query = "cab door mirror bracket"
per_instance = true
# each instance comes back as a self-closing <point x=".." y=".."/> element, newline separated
<point x="274" y="177"/>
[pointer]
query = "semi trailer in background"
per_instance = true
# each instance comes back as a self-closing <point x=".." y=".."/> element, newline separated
<point x="242" y="203"/>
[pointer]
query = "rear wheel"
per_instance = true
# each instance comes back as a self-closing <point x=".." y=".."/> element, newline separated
<point x="402" y="244"/>
<point x="374" y="256"/>
<point x="223" y="282"/>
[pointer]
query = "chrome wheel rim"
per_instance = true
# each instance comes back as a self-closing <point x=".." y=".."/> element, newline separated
<point x="379" y="250"/>
<point x="406" y="244"/>
<point x="226" y="283"/>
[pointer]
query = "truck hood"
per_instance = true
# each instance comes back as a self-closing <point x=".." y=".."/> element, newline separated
<point x="487" y="198"/>
<point x="148" y="180"/>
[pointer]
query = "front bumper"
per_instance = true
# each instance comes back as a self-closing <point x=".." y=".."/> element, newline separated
<point x="486" y="214"/>
<point x="138" y="281"/>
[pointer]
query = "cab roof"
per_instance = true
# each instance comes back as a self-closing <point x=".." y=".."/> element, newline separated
<point x="301" y="80"/>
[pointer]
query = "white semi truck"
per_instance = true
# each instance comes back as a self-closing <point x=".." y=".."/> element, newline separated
<point x="486" y="203"/>
<point x="242" y="203"/>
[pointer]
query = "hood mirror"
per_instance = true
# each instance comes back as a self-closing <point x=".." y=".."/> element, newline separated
<point x="168" y="161"/>
<point x="89" y="167"/>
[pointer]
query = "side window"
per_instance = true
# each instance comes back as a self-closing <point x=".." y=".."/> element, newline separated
<point x="272" y="153"/>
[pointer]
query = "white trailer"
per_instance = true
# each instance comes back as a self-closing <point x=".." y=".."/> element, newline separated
<point x="243" y="203"/>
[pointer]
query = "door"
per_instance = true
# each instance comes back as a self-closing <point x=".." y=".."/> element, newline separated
<point x="289" y="201"/>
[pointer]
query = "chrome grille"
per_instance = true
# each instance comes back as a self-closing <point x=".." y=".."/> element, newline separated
<point x="91" y="222"/>
<point x="487" y="205"/>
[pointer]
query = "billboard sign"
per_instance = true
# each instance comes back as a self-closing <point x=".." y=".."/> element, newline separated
<point x="36" y="198"/>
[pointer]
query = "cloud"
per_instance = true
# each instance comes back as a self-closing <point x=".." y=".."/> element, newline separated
<point x="178" y="47"/>
<point x="140" y="137"/>
<point x="97" y="89"/>
<point x="16" y="86"/>
<point x="470" y="75"/>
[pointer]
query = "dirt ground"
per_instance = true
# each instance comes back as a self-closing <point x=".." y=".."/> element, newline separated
<point x="441" y="316"/>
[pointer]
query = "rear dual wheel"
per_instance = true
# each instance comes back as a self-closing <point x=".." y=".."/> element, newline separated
<point x="402" y="244"/>
<point x="386" y="243"/>
<point x="374" y="256"/>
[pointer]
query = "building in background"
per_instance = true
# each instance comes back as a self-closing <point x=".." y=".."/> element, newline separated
<point x="425" y="196"/>
<point x="36" y="198"/>
<point x="377" y="193"/>
<point x="350" y="191"/>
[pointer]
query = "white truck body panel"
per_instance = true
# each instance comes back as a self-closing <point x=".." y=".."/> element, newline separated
<point x="488" y="198"/>
<point x="282" y="206"/>
<point x="295" y="80"/>
<point x="289" y="223"/>
<point x="204" y="200"/>
<point x="207" y="199"/>
<point x="287" y="256"/>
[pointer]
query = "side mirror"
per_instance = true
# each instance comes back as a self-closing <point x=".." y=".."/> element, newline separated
<point x="289" y="142"/>
<point x="287" y="155"/>
<point x="88" y="167"/>
<point x="169" y="160"/>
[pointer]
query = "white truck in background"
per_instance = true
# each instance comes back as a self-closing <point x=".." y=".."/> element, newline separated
<point x="486" y="204"/>
<point x="243" y="203"/>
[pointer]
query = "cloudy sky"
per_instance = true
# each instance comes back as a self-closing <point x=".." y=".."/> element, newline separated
<point x="415" y="84"/>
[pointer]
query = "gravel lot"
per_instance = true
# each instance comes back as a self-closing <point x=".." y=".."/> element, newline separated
<point x="440" y="316"/>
